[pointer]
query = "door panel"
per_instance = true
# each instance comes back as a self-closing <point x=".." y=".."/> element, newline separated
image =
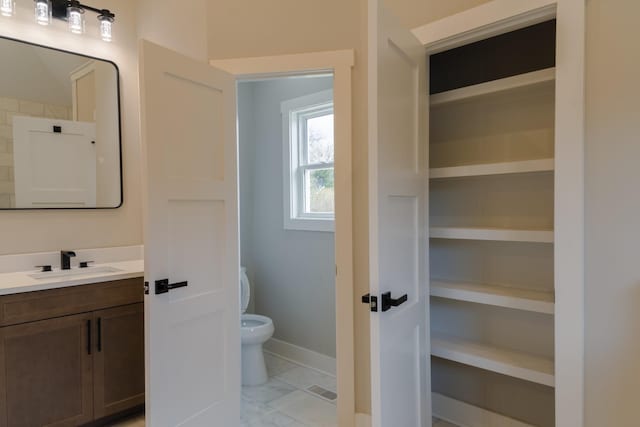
<point x="118" y="363"/>
<point x="45" y="373"/>
<point x="54" y="170"/>
<point x="192" y="333"/>
<point x="398" y="223"/>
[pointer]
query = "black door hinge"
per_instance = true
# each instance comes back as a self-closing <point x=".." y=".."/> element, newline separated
<point x="372" y="301"/>
<point x="146" y="288"/>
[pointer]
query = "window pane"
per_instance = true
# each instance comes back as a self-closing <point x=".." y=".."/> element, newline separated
<point x="319" y="191"/>
<point x="320" y="139"/>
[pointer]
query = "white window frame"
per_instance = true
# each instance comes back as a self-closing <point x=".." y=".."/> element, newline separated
<point x="294" y="112"/>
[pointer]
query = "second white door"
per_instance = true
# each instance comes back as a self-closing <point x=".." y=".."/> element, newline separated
<point x="398" y="229"/>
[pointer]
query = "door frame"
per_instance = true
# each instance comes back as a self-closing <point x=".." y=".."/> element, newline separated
<point x="497" y="17"/>
<point x="340" y="63"/>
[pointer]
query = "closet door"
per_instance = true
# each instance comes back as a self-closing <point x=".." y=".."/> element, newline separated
<point x="398" y="257"/>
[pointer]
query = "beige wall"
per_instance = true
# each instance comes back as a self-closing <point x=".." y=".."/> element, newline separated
<point x="34" y="231"/>
<point x="612" y="347"/>
<point x="414" y="13"/>
<point x="178" y="25"/>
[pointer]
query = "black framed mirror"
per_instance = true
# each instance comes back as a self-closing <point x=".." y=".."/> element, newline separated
<point x="60" y="133"/>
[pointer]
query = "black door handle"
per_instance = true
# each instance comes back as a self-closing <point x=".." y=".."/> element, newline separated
<point x="163" y="286"/>
<point x="388" y="302"/>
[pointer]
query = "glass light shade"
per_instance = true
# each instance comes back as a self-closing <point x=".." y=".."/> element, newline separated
<point x="106" y="28"/>
<point x="7" y="7"/>
<point x="75" y="18"/>
<point x="43" y="12"/>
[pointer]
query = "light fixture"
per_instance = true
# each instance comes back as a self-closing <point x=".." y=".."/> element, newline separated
<point x="106" y="19"/>
<point x="43" y="12"/>
<point x="71" y="11"/>
<point x="75" y="17"/>
<point x="7" y="7"/>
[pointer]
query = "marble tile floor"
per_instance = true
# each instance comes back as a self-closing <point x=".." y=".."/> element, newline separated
<point x="272" y="418"/>
<point x="139" y="422"/>
<point x="284" y="400"/>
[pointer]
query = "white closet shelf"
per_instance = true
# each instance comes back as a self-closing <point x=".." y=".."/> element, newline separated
<point x="500" y="296"/>
<point x="495" y="86"/>
<point x="463" y="414"/>
<point x="525" y="166"/>
<point x="507" y="362"/>
<point x="497" y="234"/>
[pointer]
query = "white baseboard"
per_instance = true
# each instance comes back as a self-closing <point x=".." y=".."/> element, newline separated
<point x="301" y="356"/>
<point x="465" y="415"/>
<point x="363" y="420"/>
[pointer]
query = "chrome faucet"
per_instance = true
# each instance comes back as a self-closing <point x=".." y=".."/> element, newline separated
<point x="65" y="259"/>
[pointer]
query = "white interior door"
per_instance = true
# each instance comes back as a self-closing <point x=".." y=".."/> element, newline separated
<point x="398" y="242"/>
<point x="191" y="235"/>
<point x="54" y="169"/>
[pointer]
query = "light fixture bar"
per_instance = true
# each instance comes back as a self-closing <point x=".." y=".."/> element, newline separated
<point x="72" y="11"/>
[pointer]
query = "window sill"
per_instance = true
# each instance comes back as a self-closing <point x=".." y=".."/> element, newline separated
<point x="305" y="224"/>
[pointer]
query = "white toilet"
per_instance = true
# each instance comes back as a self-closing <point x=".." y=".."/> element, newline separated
<point x="254" y="331"/>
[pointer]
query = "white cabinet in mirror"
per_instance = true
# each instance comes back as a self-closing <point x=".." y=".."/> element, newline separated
<point x="59" y="129"/>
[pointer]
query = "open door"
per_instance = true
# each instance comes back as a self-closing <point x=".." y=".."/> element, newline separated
<point x="192" y="315"/>
<point x="398" y="245"/>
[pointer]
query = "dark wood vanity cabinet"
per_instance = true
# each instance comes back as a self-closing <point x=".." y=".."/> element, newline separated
<point x="46" y="376"/>
<point x="71" y="356"/>
<point x="118" y="364"/>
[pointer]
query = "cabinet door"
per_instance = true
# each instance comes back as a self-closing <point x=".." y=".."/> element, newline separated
<point x="45" y="373"/>
<point x="118" y="364"/>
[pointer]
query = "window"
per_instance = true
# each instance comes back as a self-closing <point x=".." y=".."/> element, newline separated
<point x="307" y="124"/>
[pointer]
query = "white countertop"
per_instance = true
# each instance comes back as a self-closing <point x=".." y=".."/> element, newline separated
<point x="21" y="281"/>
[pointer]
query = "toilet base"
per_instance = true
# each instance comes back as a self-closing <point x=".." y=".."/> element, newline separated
<point x="254" y="370"/>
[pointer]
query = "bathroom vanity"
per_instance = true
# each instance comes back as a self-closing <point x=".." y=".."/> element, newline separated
<point x="71" y="353"/>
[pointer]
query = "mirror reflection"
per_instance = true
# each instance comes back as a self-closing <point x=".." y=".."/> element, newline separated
<point x="59" y="129"/>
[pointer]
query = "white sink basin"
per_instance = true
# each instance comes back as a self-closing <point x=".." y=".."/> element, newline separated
<point x="89" y="271"/>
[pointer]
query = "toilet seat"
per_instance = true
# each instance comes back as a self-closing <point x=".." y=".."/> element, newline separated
<point x="245" y="290"/>
<point x="255" y="329"/>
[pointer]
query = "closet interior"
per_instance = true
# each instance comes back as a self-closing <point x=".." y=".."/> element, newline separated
<point x="491" y="213"/>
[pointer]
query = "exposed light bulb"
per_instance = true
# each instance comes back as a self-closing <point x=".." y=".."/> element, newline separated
<point x="106" y="19"/>
<point x="7" y="7"/>
<point x="43" y="12"/>
<point x="75" y="18"/>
